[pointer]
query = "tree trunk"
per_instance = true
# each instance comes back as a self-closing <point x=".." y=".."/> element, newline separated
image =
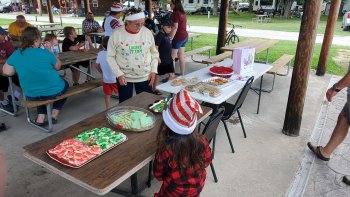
<point x="303" y="58"/>
<point x="148" y="7"/>
<point x="286" y="8"/>
<point x="222" y="26"/>
<point x="328" y="37"/>
<point x="49" y="11"/>
<point x="86" y="7"/>
<point x="40" y="7"/>
<point x="215" y="8"/>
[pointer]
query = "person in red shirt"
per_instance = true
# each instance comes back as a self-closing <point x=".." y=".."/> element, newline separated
<point x="182" y="155"/>
<point x="179" y="33"/>
<point x="6" y="49"/>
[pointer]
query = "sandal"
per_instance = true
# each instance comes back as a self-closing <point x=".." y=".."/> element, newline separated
<point x="75" y="84"/>
<point x="41" y="124"/>
<point x="346" y="180"/>
<point x="54" y="120"/>
<point x="157" y="92"/>
<point x="317" y="151"/>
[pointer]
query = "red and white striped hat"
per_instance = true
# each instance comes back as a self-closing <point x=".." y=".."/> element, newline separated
<point x="117" y="7"/>
<point x="181" y="113"/>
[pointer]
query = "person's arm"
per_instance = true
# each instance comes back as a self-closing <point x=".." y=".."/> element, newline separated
<point x="97" y="67"/>
<point x="154" y="61"/>
<point x="174" y="30"/>
<point x="8" y="70"/>
<point x="76" y="47"/>
<point x="58" y="64"/>
<point x="342" y="83"/>
<point x="111" y="59"/>
<point x="158" y="166"/>
<point x="159" y="61"/>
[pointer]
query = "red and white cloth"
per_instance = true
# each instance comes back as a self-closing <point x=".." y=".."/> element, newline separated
<point x="181" y="113"/>
<point x="117" y="7"/>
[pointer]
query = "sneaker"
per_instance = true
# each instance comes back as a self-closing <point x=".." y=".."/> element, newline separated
<point x="7" y="107"/>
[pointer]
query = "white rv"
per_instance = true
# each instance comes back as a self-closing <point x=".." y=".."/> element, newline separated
<point x="266" y="5"/>
<point x="193" y="5"/>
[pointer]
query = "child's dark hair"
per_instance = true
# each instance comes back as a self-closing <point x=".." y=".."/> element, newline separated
<point x="68" y="30"/>
<point x="186" y="149"/>
<point x="49" y="37"/>
<point x="105" y="42"/>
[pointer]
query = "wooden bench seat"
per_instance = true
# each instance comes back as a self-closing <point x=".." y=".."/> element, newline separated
<point x="197" y="51"/>
<point x="217" y="58"/>
<point x="278" y="66"/>
<point x="72" y="91"/>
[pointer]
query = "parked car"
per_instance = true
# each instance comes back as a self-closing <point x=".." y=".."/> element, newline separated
<point x="7" y="8"/>
<point x="244" y="9"/>
<point x="346" y="20"/>
<point x="202" y="10"/>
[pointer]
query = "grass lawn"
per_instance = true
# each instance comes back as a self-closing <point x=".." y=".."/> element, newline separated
<point x="282" y="47"/>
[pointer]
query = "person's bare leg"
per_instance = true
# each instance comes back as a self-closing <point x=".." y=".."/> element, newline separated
<point x="75" y="76"/>
<point x="181" y="56"/>
<point x="55" y="113"/>
<point x="1" y="95"/>
<point x="174" y="55"/>
<point x="339" y="133"/>
<point x="107" y="101"/>
<point x="40" y="118"/>
<point x="171" y="76"/>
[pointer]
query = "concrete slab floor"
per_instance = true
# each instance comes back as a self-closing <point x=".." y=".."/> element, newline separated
<point x="264" y="163"/>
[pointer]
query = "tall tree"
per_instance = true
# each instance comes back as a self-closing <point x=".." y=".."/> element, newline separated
<point x="287" y="4"/>
<point x="215" y="7"/>
<point x="40" y="7"/>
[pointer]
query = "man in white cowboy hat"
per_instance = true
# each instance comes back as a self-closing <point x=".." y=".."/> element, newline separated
<point x="132" y="55"/>
<point x="113" y="20"/>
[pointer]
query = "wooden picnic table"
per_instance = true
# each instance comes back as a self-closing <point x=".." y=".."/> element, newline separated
<point x="42" y="24"/>
<point x="259" y="45"/>
<point x="71" y="57"/>
<point x="112" y="168"/>
<point x="46" y="29"/>
<point x="261" y="18"/>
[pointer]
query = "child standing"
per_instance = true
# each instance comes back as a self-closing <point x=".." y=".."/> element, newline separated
<point x="182" y="155"/>
<point x="109" y="78"/>
<point x="73" y="42"/>
<point x="163" y="45"/>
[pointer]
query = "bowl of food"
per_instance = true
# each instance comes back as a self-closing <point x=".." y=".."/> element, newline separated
<point x="221" y="71"/>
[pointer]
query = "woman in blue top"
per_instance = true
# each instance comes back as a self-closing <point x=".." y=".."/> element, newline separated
<point x="37" y="71"/>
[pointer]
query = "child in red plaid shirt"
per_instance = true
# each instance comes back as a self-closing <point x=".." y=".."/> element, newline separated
<point x="182" y="154"/>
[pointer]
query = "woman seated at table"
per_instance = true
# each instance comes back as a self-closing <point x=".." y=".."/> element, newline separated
<point x="132" y="55"/>
<point x="37" y="71"/>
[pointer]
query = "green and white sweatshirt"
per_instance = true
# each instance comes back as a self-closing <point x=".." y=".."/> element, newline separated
<point x="132" y="55"/>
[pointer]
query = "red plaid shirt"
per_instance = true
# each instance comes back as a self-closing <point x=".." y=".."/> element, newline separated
<point x="176" y="184"/>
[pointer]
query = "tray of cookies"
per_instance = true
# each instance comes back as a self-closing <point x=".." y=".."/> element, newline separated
<point x="85" y="147"/>
<point x="217" y="82"/>
<point x="130" y="118"/>
<point x="209" y="91"/>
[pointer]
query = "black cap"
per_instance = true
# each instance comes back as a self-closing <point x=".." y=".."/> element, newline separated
<point x="167" y="22"/>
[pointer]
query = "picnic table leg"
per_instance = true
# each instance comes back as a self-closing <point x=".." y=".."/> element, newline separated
<point x="267" y="56"/>
<point x="83" y="71"/>
<point x="134" y="184"/>
<point x="261" y="81"/>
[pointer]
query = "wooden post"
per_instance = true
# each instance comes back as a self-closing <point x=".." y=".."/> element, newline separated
<point x="222" y="26"/>
<point x="48" y="4"/>
<point x="148" y="7"/>
<point x="328" y="37"/>
<point x="303" y="57"/>
<point x="86" y="7"/>
<point x="40" y="7"/>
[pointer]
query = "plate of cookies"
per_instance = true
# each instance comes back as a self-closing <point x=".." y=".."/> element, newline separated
<point x="217" y="82"/>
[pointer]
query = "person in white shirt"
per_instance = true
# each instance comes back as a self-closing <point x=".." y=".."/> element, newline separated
<point x="113" y="20"/>
<point x="132" y="55"/>
<point x="109" y="78"/>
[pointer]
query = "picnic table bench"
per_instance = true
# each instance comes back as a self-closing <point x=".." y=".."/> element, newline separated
<point x="72" y="91"/>
<point x="277" y="67"/>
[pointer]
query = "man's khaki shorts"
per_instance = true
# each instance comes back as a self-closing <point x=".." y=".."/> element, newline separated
<point x="346" y="110"/>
